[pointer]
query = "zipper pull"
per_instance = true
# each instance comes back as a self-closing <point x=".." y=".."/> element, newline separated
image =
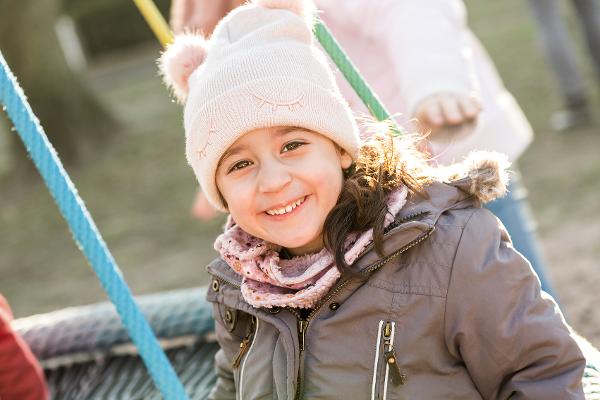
<point x="398" y="377"/>
<point x="243" y="350"/>
<point x="387" y="331"/>
<point x="302" y="324"/>
<point x="244" y="346"/>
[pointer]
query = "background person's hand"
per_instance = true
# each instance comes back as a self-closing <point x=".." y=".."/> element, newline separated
<point x="199" y="15"/>
<point x="448" y="114"/>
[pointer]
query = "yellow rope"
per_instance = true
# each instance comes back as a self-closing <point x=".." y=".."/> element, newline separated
<point x="156" y="21"/>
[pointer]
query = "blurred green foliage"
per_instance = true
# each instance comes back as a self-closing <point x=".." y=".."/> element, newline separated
<point x="106" y="25"/>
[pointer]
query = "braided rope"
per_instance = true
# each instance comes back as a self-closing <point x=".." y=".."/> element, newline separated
<point x="350" y="72"/>
<point x="354" y="78"/>
<point x="85" y="233"/>
<point x="155" y="20"/>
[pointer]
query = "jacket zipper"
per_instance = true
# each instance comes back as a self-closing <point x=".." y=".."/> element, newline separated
<point x="407" y="218"/>
<point x="396" y="224"/>
<point x="376" y="363"/>
<point x="227" y="281"/>
<point x="245" y="348"/>
<point x="398" y="252"/>
<point x="385" y="344"/>
<point x="304" y="323"/>
<point x="391" y="360"/>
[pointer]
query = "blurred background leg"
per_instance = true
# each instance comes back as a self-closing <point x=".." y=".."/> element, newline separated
<point x="560" y="53"/>
<point x="589" y="14"/>
<point x="514" y="212"/>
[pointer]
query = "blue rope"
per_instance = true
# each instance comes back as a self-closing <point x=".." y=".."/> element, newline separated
<point x="85" y="233"/>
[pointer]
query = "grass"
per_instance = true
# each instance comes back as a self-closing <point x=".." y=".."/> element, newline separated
<point x="139" y="190"/>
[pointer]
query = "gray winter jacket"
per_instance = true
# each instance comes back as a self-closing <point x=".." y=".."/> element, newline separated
<point x="451" y="311"/>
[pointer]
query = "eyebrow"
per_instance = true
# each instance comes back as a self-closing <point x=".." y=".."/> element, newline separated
<point x="238" y="149"/>
<point x="230" y="152"/>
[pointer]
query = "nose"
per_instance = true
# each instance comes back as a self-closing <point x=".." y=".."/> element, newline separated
<point x="273" y="177"/>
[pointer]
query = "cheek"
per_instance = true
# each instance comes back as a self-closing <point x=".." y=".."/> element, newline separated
<point x="329" y="184"/>
<point x="245" y="217"/>
<point x="241" y="214"/>
<point x="233" y="194"/>
<point x="237" y="199"/>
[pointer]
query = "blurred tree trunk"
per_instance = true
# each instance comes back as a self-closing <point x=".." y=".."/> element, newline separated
<point x="70" y="114"/>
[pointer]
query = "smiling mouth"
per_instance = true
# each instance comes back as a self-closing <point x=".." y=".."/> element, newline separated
<point x="286" y="209"/>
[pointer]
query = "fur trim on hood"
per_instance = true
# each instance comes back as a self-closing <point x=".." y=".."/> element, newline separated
<point x="483" y="174"/>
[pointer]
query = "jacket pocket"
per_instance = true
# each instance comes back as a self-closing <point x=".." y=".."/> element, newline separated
<point x="386" y="370"/>
<point x="239" y="362"/>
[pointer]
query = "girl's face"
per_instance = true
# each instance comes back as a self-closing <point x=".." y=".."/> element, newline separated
<point x="280" y="183"/>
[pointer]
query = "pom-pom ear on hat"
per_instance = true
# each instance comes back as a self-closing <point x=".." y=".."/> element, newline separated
<point x="179" y="60"/>
<point x="303" y="8"/>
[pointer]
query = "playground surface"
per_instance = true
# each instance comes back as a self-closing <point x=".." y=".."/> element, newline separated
<point x="139" y="190"/>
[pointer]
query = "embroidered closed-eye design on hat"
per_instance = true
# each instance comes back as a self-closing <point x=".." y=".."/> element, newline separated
<point x="274" y="104"/>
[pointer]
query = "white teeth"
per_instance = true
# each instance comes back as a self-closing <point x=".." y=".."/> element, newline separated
<point x="286" y="209"/>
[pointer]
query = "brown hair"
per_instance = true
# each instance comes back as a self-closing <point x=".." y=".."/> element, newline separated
<point x="383" y="164"/>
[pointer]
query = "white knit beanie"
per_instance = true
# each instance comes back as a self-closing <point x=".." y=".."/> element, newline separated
<point x="259" y="69"/>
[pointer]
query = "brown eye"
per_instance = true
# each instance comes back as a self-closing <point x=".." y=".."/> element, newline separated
<point x="239" y="165"/>
<point x="292" y="146"/>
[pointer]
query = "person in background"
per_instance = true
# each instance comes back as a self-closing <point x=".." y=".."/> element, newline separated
<point x="560" y="53"/>
<point x="21" y="377"/>
<point x="424" y="63"/>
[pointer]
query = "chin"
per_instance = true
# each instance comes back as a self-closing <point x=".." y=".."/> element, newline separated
<point x="299" y="239"/>
<point x="298" y="243"/>
<point x="290" y="243"/>
<point x="290" y="238"/>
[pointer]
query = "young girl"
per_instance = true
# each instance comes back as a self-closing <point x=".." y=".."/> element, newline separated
<point x="350" y="270"/>
<point x="435" y="73"/>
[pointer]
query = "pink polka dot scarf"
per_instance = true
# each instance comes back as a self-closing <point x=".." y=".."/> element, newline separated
<point x="300" y="282"/>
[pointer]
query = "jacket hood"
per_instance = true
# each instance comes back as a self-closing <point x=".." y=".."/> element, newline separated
<point x="482" y="174"/>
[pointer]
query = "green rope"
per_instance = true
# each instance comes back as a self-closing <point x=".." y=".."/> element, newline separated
<point x="350" y="72"/>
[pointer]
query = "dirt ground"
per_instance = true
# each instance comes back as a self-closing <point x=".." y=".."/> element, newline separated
<point x="139" y="190"/>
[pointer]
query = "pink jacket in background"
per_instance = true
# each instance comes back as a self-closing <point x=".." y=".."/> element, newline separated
<point x="408" y="50"/>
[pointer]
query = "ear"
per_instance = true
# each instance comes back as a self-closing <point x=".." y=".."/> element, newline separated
<point x="345" y="159"/>
<point x="179" y="60"/>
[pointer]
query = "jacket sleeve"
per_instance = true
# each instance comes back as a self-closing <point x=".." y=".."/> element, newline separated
<point x="21" y="377"/>
<point x="512" y="337"/>
<point x="225" y="386"/>
<point x="427" y="42"/>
